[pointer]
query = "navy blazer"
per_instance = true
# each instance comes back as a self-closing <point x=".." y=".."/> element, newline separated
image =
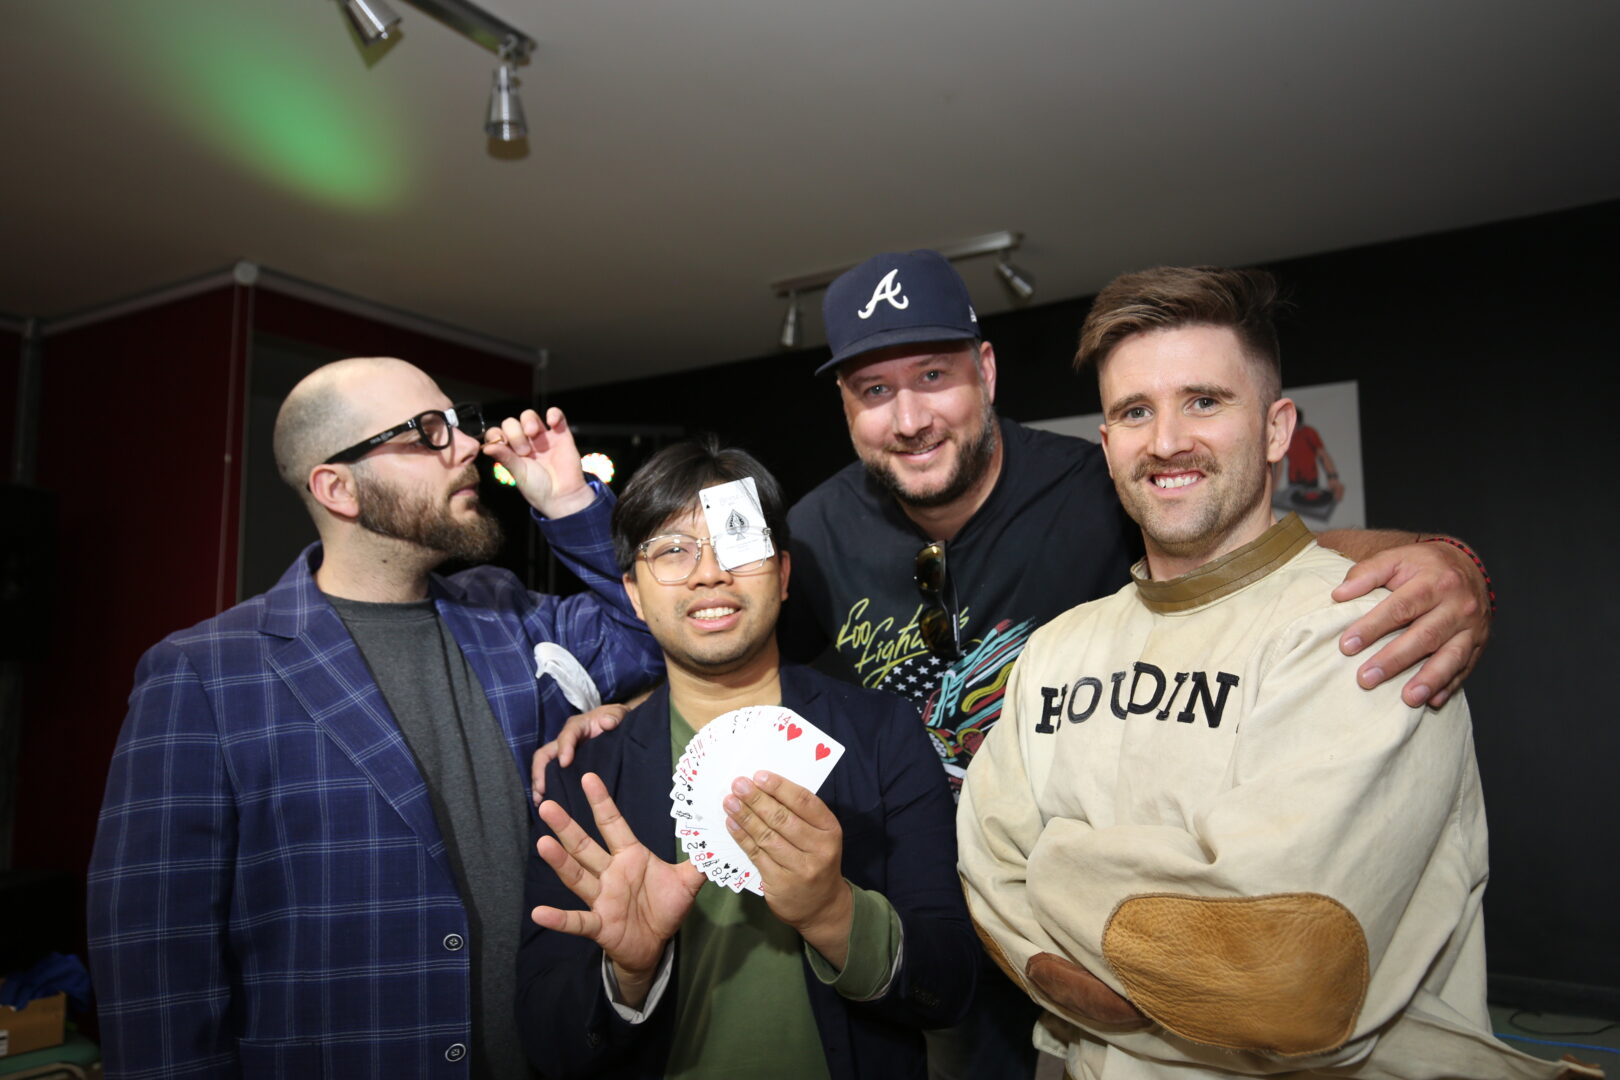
<point x="899" y="840"/>
<point x="270" y="893"/>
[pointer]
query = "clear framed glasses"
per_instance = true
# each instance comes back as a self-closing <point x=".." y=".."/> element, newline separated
<point x="674" y="556"/>
<point x="434" y="428"/>
<point x="941" y="624"/>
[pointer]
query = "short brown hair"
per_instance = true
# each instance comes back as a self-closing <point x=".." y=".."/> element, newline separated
<point x="1169" y="297"/>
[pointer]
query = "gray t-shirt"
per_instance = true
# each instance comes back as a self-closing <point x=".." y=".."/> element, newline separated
<point x="478" y="800"/>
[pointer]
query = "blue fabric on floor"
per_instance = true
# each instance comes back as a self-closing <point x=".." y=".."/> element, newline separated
<point x="51" y="975"/>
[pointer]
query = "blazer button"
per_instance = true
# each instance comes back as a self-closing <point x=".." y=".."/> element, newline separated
<point x="453" y="942"/>
<point x="455" y="1052"/>
<point x="594" y="1039"/>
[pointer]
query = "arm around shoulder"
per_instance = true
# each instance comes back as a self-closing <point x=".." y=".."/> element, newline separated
<point x="1441" y="598"/>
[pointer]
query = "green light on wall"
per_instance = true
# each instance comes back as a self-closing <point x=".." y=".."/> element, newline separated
<point x="241" y="79"/>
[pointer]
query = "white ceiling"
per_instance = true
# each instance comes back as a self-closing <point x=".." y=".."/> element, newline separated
<point x="684" y="155"/>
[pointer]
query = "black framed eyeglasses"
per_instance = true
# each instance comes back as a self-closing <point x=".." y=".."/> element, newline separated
<point x="674" y="556"/>
<point x="941" y="624"/>
<point x="435" y="428"/>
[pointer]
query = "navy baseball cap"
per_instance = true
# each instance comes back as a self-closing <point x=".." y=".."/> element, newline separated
<point x="896" y="299"/>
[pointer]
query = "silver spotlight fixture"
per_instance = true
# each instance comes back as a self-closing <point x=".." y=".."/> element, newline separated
<point x="790" y="323"/>
<point x="505" y="122"/>
<point x="373" y="19"/>
<point x="1017" y="281"/>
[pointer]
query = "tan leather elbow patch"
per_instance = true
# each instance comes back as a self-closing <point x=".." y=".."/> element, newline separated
<point x="1280" y="974"/>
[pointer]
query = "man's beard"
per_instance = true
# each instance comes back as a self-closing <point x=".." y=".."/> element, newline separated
<point x="386" y="511"/>
<point x="973" y="458"/>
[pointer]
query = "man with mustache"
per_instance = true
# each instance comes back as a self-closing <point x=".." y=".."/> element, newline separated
<point x="310" y="854"/>
<point x="927" y="564"/>
<point x="1191" y="839"/>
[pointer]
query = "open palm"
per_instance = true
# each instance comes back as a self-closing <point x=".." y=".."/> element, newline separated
<point x="636" y="901"/>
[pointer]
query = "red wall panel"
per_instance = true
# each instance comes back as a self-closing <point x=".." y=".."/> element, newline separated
<point x="356" y="335"/>
<point x="140" y="434"/>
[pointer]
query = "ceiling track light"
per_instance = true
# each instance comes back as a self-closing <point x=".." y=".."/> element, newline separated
<point x="996" y="243"/>
<point x="1001" y="244"/>
<point x="504" y="121"/>
<point x="789" y="338"/>
<point x="1018" y="281"/>
<point x="477" y="25"/>
<point x="373" y="19"/>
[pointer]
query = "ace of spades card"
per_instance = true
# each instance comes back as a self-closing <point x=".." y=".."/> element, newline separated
<point x="736" y="523"/>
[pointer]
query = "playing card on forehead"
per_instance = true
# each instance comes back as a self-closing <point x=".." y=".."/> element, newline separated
<point x="735" y="519"/>
<point x="741" y="743"/>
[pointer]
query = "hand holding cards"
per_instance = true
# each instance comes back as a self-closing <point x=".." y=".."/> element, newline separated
<point x="741" y="743"/>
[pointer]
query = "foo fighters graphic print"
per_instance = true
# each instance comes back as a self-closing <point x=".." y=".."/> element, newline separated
<point x="1050" y="536"/>
<point x="959" y="701"/>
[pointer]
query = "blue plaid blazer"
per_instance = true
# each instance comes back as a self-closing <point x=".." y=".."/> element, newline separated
<point x="269" y="893"/>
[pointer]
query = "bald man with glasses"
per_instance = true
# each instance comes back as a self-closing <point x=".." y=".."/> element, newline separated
<point x="311" y="849"/>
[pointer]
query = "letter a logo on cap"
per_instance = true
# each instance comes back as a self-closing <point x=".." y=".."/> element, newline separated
<point x="887" y="289"/>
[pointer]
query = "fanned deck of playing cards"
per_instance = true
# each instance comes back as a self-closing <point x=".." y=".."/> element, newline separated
<point x="741" y="743"/>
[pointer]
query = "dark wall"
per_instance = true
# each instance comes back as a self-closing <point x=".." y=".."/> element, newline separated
<point x="770" y="405"/>
<point x="10" y="370"/>
<point x="1482" y="357"/>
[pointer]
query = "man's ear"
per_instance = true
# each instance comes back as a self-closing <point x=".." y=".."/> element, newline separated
<point x="1102" y="437"/>
<point x="333" y="486"/>
<point x="1280" y="421"/>
<point x="784" y="568"/>
<point x="987" y="369"/>
<point x="631" y="592"/>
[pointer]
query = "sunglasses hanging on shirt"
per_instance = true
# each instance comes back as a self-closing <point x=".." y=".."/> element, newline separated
<point x="941" y="624"/>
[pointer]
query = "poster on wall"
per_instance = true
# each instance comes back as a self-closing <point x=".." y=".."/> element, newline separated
<point x="1320" y="478"/>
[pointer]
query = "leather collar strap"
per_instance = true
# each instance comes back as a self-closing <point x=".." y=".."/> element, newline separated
<point x="1227" y="574"/>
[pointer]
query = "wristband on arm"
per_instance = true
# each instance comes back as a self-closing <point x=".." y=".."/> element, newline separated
<point x="1490" y="589"/>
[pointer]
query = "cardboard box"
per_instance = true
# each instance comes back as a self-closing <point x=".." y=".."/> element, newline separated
<point x="38" y="1025"/>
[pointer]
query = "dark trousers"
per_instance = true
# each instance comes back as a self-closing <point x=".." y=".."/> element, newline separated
<point x="993" y="1041"/>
